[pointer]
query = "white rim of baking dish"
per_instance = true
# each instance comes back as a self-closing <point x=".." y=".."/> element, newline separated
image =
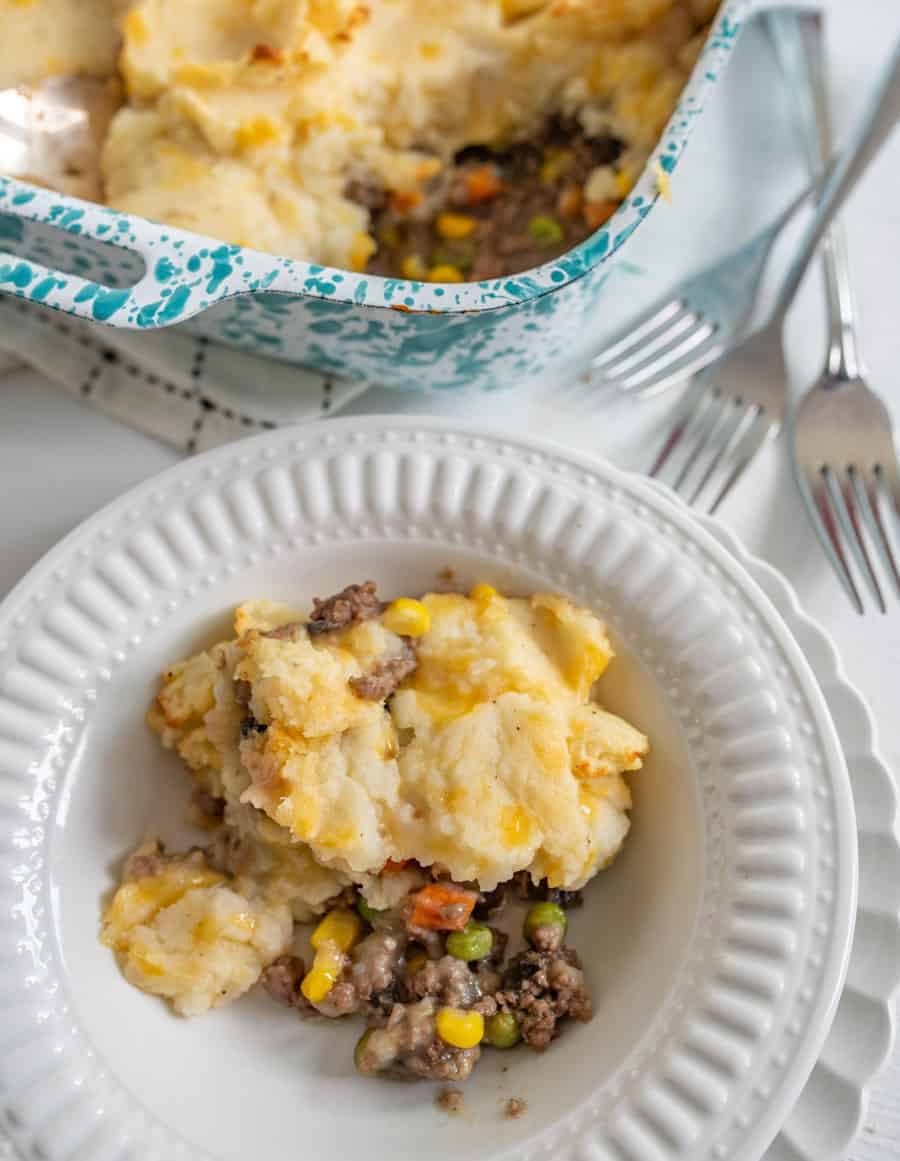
<point x="220" y="271"/>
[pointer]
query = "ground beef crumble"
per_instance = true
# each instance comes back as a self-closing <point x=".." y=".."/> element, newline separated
<point x="530" y="207"/>
<point x="352" y="604"/>
<point x="207" y="807"/>
<point x="383" y="680"/>
<point x="282" y="980"/>
<point x="543" y="987"/>
<point x="450" y="1100"/>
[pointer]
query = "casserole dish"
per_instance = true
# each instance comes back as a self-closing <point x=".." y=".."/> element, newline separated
<point x="126" y="271"/>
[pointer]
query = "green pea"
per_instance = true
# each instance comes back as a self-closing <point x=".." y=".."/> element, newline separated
<point x="368" y="913"/>
<point x="502" y="1030"/>
<point x="546" y="231"/>
<point x="473" y="942"/>
<point x="359" y="1051"/>
<point x="544" y="915"/>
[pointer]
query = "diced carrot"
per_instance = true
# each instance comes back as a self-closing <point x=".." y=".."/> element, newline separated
<point x="596" y="213"/>
<point x="402" y="201"/>
<point x="483" y="184"/>
<point x="442" y="907"/>
<point x="394" y="865"/>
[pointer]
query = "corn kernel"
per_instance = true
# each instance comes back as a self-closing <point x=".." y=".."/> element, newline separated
<point x="361" y="251"/>
<point x="323" y="975"/>
<point x="624" y="180"/>
<point x="443" y="272"/>
<point x="316" y="986"/>
<point x="407" y="618"/>
<point x="455" y="225"/>
<point x="483" y="593"/>
<point x="413" y="268"/>
<point x="342" y="928"/>
<point x="459" y="1028"/>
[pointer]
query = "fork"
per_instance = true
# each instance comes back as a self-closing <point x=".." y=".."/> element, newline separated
<point x="679" y="334"/>
<point x="736" y="406"/>
<point x="678" y="337"/>
<point x="842" y="442"/>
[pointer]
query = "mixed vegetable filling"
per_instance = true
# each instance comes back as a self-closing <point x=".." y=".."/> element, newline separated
<point x="432" y="981"/>
<point x="496" y="212"/>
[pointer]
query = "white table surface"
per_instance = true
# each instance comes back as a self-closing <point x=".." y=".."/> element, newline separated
<point x="60" y="462"/>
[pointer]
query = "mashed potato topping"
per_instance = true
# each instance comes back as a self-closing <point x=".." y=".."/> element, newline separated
<point x="182" y="932"/>
<point x="252" y="119"/>
<point x="485" y="757"/>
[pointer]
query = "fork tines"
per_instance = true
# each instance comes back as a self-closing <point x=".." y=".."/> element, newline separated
<point x="712" y="440"/>
<point x="855" y="512"/>
<point x="662" y="349"/>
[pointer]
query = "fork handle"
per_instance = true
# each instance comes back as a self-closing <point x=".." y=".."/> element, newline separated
<point x="873" y="130"/>
<point x="798" y="37"/>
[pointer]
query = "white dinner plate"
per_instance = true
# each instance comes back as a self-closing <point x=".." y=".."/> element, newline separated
<point x="716" y="945"/>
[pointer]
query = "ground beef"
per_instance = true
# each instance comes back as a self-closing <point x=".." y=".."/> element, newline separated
<point x="432" y="941"/>
<point x="377" y="963"/>
<point x="352" y="604"/>
<point x="450" y="1100"/>
<point x="208" y="806"/>
<point x="547" y="937"/>
<point x="290" y="631"/>
<point x="487" y="1006"/>
<point x="514" y="1108"/>
<point x="542" y="178"/>
<point x="366" y="191"/>
<point x="342" y="1000"/>
<point x="490" y="979"/>
<point x="383" y="680"/>
<point x="380" y="1005"/>
<point x="282" y="979"/>
<point x="372" y="980"/>
<point x="542" y="988"/>
<point x="451" y="981"/>
<point x="408" y="1045"/>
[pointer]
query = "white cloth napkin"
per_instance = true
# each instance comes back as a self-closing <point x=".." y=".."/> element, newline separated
<point x="182" y="390"/>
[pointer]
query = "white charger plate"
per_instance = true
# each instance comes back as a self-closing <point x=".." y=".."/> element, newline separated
<point x="717" y="944"/>
<point x="832" y="1107"/>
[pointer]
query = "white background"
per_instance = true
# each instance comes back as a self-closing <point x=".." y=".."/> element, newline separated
<point x="60" y="462"/>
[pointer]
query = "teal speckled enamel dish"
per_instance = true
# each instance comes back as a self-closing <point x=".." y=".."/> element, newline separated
<point x="124" y="271"/>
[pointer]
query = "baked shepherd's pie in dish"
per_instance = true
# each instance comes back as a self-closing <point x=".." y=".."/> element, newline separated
<point x="415" y="138"/>
<point x="392" y="775"/>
